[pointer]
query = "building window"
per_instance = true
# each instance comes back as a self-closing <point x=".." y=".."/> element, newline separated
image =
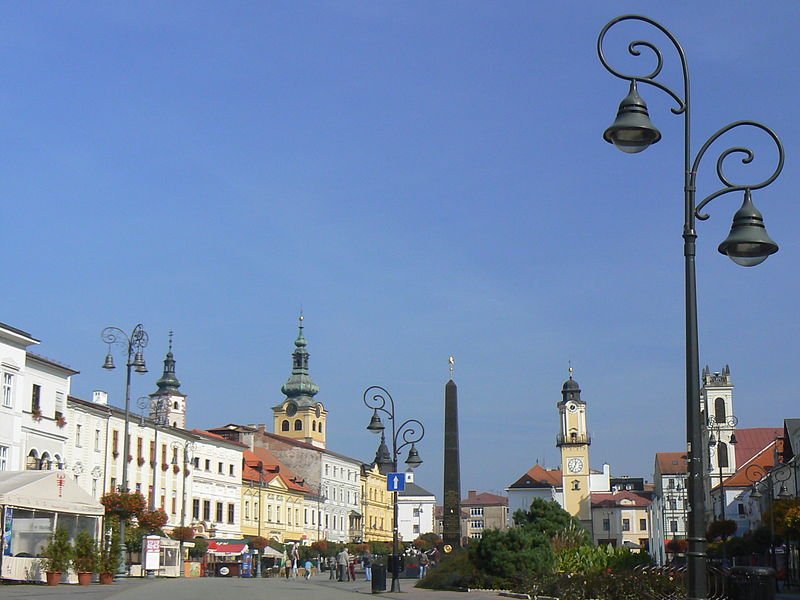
<point x="8" y="390"/>
<point x="305" y="516"/>
<point x="59" y="405"/>
<point x="230" y="470"/>
<point x="298" y="425"/>
<point x="476" y="524"/>
<point x="670" y="484"/>
<point x="196" y="509"/>
<point x="285" y="425"/>
<point x="606" y="524"/>
<point x="219" y="512"/>
<point x="417" y="511"/>
<point x="576" y="485"/>
<point x="722" y="454"/>
<point x="475" y="512"/>
<point x="740" y="508"/>
<point x="139" y="446"/>
<point x="115" y="442"/>
<point x="673" y="504"/>
<point x="206" y="510"/>
<point x="220" y="469"/>
<point x="673" y="526"/>
<point x="416" y="528"/>
<point x="208" y="464"/>
<point x="3" y="458"/>
<point x="231" y="511"/>
<point x="626" y="524"/>
<point x="36" y="397"/>
<point x="174" y="503"/>
<point x="247" y="510"/>
<point x="642" y="524"/>
<point x="97" y="440"/>
<point x="719" y="410"/>
<point x="78" y="435"/>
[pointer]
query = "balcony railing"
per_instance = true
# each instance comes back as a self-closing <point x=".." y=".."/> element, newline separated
<point x="573" y="439"/>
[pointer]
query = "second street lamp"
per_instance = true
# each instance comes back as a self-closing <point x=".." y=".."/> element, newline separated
<point x="408" y="433"/>
<point x="134" y="344"/>
<point x="748" y="244"/>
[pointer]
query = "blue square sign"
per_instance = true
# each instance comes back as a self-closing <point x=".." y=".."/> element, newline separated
<point x="396" y="482"/>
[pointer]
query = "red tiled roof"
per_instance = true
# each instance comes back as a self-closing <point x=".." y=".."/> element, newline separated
<point x="609" y="500"/>
<point x="214" y="436"/>
<point x="671" y="463"/>
<point x="271" y="468"/>
<point x="484" y="499"/>
<point x="752" y="441"/>
<point x="757" y="466"/>
<point x="539" y="477"/>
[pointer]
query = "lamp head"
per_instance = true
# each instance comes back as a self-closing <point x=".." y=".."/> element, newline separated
<point x="413" y="459"/>
<point x="733" y="441"/>
<point x="755" y="493"/>
<point x="375" y="423"/>
<point x="138" y="362"/>
<point x="748" y="244"/>
<point x="109" y="363"/>
<point x="783" y="494"/>
<point x="632" y="130"/>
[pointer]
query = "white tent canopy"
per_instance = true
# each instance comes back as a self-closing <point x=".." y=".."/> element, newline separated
<point x="46" y="490"/>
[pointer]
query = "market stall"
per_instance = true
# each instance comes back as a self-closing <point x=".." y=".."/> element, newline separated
<point x="32" y="505"/>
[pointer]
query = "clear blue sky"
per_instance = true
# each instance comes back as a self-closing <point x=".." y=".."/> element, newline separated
<point x="423" y="179"/>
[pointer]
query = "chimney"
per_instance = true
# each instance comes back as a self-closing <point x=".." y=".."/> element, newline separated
<point x="100" y="397"/>
<point x="471" y="494"/>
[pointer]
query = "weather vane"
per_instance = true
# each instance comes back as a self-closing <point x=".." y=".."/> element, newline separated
<point x="452" y="362"/>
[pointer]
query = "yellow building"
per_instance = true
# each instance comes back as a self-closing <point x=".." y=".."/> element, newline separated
<point x="273" y="499"/>
<point x="376" y="505"/>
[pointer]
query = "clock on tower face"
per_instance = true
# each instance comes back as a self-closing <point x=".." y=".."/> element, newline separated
<point x="575" y="465"/>
<point x="291" y="409"/>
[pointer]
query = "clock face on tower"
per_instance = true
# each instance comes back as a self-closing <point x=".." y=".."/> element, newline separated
<point x="291" y="409"/>
<point x="575" y="465"/>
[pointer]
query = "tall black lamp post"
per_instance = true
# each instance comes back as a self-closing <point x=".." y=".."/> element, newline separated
<point x="134" y="344"/>
<point x="747" y="244"/>
<point x="408" y="433"/>
<point x="716" y="446"/>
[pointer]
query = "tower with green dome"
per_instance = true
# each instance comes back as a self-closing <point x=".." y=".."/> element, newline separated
<point x="299" y="416"/>
<point x="168" y="397"/>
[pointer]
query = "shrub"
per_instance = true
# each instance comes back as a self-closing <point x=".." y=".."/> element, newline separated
<point x="58" y="553"/>
<point x="85" y="554"/>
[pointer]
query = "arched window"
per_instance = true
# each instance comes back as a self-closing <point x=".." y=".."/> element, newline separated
<point x="576" y="485"/>
<point x="719" y="410"/>
<point x="32" y="463"/>
<point x="45" y="463"/>
<point x="313" y="425"/>
<point x="298" y="425"/>
<point x="319" y="427"/>
<point x="722" y="454"/>
<point x="285" y="426"/>
<point x="175" y="405"/>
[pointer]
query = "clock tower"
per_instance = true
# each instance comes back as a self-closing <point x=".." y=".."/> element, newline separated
<point x="299" y="415"/>
<point x="574" y="441"/>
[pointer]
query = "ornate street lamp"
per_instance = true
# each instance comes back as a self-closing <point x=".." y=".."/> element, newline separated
<point x="748" y="244"/>
<point x="408" y="433"/>
<point x="134" y="344"/>
<point x="766" y="479"/>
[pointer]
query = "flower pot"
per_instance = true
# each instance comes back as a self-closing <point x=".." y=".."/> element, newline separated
<point x="84" y="578"/>
<point x="106" y="578"/>
<point x="53" y="577"/>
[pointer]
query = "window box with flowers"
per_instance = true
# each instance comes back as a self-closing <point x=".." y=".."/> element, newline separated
<point x="186" y="471"/>
<point x="36" y="413"/>
<point x="140" y="461"/>
<point x="176" y="469"/>
<point x="61" y="421"/>
<point x="164" y="466"/>
<point x="130" y="457"/>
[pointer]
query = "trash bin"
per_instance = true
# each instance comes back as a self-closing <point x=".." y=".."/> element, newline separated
<point x="751" y="583"/>
<point x="378" y="578"/>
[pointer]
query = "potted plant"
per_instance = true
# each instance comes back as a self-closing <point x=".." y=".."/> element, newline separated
<point x="108" y="559"/>
<point x="85" y="559"/>
<point x="57" y="556"/>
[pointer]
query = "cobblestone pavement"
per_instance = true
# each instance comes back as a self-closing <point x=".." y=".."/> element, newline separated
<point x="223" y="588"/>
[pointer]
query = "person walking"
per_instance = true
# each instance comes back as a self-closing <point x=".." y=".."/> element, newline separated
<point x="331" y="567"/>
<point x="351" y="569"/>
<point x="342" y="560"/>
<point x="423" y="564"/>
<point x="307" y="567"/>
<point x="295" y="559"/>
<point x="366" y="560"/>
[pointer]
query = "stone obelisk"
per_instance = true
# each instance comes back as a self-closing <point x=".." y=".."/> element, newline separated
<point x="451" y="513"/>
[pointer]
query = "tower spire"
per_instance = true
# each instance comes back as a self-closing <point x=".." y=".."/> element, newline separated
<point x="300" y="387"/>
<point x="168" y="382"/>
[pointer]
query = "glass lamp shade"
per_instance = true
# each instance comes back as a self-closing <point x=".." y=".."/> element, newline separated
<point x="632" y="130"/>
<point x="748" y="244"/>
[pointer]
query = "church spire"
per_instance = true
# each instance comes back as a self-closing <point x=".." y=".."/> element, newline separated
<point x="168" y="382"/>
<point x="300" y="387"/>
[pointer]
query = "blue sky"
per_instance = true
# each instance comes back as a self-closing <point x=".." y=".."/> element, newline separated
<point x="423" y="179"/>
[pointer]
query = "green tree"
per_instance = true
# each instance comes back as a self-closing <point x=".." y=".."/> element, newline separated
<point x="546" y="516"/>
